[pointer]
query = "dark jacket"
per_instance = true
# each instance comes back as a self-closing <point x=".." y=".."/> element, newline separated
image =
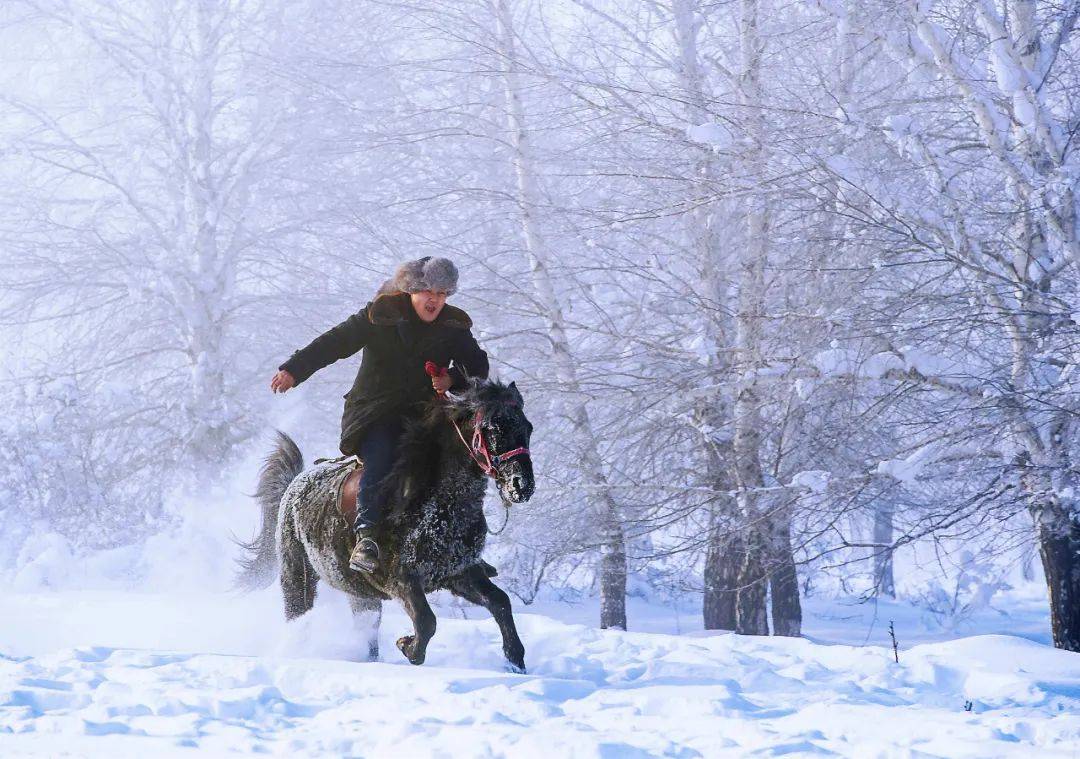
<point x="396" y="343"/>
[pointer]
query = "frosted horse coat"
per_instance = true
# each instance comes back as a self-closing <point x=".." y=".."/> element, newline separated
<point x="431" y="538"/>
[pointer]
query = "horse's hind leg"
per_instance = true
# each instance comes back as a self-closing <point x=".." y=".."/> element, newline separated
<point x="367" y="614"/>
<point x="298" y="578"/>
<point x="474" y="586"/>
<point x="423" y="618"/>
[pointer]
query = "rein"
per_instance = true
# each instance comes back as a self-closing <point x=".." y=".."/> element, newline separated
<point x="478" y="450"/>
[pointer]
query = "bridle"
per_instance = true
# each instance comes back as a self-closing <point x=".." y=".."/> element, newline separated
<point x="479" y="452"/>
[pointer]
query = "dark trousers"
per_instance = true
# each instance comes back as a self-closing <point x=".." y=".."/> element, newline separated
<point x="377" y="450"/>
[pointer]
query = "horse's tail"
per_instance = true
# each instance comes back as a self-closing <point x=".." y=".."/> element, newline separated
<point x="259" y="566"/>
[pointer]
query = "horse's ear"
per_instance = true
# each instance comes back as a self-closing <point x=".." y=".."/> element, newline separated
<point x="517" y="393"/>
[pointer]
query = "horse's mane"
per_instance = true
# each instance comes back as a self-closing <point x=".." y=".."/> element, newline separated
<point x="419" y="450"/>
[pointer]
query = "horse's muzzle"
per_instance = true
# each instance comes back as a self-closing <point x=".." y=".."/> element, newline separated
<point x="518" y="486"/>
<point x="520" y="489"/>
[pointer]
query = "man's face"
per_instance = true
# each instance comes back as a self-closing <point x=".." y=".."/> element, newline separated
<point x="428" y="303"/>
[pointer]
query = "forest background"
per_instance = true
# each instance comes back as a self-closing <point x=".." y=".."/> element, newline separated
<point x="788" y="287"/>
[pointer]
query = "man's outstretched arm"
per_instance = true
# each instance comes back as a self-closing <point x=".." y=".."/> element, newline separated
<point x="336" y="343"/>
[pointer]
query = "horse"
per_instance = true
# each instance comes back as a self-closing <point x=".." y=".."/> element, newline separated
<point x="434" y="530"/>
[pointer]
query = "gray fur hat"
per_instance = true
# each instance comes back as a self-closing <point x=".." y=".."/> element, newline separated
<point x="425" y="273"/>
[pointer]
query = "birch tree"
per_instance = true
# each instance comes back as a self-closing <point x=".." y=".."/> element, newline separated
<point x="1024" y="115"/>
<point x="994" y="170"/>
<point x="721" y="567"/>
<point x="610" y="535"/>
<point x="157" y="169"/>
<point x="688" y="101"/>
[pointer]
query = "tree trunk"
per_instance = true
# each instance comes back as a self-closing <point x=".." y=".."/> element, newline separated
<point x="751" y="616"/>
<point x="207" y="409"/>
<point x="722" y="553"/>
<point x="784" y="580"/>
<point x="209" y="279"/>
<point x="610" y="534"/>
<point x="721" y="576"/>
<point x="883" y="557"/>
<point x="1057" y="529"/>
<point x="613" y="578"/>
<point x="1059" y="548"/>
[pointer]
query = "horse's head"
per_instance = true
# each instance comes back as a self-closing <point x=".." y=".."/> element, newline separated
<point x="500" y="439"/>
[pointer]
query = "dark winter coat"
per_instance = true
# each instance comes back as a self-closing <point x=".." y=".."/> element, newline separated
<point x="396" y="343"/>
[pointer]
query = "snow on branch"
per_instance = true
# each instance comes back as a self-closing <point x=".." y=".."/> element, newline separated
<point x="908" y="364"/>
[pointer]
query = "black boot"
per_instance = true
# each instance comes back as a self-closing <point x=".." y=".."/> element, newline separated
<point x="365" y="555"/>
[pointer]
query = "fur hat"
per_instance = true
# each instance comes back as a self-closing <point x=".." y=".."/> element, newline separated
<point x="425" y="273"/>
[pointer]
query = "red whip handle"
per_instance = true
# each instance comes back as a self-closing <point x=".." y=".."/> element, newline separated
<point x="434" y="370"/>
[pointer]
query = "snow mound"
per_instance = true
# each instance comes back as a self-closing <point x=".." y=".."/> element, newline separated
<point x="714" y="134"/>
<point x="814" y="480"/>
<point x="589" y="692"/>
<point x="845" y="362"/>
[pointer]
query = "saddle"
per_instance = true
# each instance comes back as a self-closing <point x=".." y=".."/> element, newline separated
<point x="348" y="484"/>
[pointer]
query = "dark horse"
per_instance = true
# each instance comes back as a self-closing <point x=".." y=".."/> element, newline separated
<point x="433" y="533"/>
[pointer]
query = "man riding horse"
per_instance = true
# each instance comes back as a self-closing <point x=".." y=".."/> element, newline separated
<point x="407" y="325"/>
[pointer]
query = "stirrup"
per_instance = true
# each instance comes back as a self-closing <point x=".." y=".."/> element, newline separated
<point x="365" y="556"/>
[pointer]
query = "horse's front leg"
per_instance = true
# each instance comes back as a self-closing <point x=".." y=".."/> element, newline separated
<point x="474" y="586"/>
<point x="423" y="618"/>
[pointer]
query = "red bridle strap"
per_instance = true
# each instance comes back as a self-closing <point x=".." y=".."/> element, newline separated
<point x="479" y="453"/>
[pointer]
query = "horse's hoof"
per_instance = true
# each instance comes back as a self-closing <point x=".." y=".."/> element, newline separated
<point x="407" y="644"/>
<point x="515" y="669"/>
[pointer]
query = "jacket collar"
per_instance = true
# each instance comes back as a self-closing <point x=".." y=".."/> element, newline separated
<point x="389" y="310"/>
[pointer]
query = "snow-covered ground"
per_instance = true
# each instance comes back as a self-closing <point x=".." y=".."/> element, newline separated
<point x="116" y="673"/>
<point x="141" y="652"/>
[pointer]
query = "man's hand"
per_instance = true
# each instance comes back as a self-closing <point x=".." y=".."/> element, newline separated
<point x="442" y="384"/>
<point x="282" y="381"/>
